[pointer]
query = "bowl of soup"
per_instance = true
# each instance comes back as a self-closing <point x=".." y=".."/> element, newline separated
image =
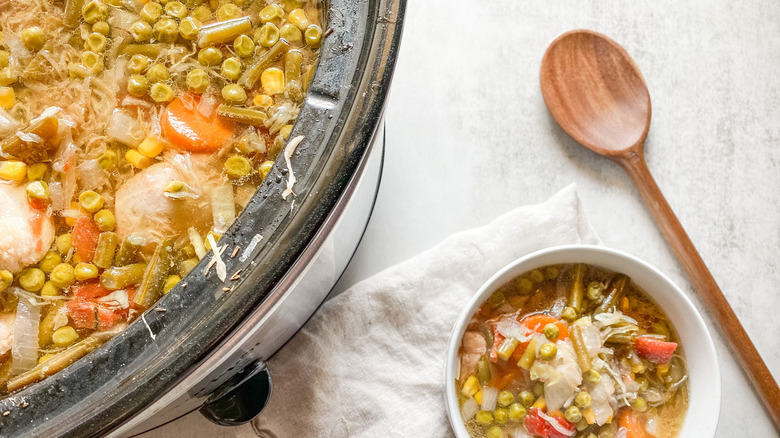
<point x="581" y="341"/>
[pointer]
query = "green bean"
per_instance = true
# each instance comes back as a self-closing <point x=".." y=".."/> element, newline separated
<point x="483" y="370"/>
<point x="73" y="13"/>
<point x="128" y="250"/>
<point x="156" y="273"/>
<point x="577" y="288"/>
<point x="47" y="129"/>
<point x="46" y="328"/>
<point x="261" y="62"/>
<point x="581" y="352"/>
<point x="120" y="277"/>
<point x="527" y="359"/>
<point x="616" y="287"/>
<point x="106" y="247"/>
<point x="307" y="77"/>
<point x="59" y="361"/>
<point x="246" y="116"/>
<point x="292" y="66"/>
<point x="148" y="50"/>
<point x="223" y="31"/>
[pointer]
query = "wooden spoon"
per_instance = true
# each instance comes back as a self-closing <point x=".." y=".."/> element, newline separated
<point x="596" y="92"/>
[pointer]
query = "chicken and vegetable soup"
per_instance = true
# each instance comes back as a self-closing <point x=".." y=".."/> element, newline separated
<point x="132" y="132"/>
<point x="571" y="351"/>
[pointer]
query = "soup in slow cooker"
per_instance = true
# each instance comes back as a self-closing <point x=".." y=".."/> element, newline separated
<point x="132" y="132"/>
<point x="571" y="351"/>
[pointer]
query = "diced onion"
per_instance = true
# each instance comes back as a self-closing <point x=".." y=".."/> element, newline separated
<point x="489" y="398"/>
<point x="25" y="346"/>
<point x="8" y="125"/>
<point x="469" y="409"/>
<point x="125" y="129"/>
<point x="91" y="175"/>
<point x="223" y="207"/>
<point x="197" y="242"/>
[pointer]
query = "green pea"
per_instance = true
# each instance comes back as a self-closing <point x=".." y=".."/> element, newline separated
<point x="33" y="38"/>
<point x="505" y="398"/>
<point x="573" y="414"/>
<point x="210" y="56"/>
<point x="108" y="159"/>
<point x="267" y="35"/>
<point x="201" y="13"/>
<point x="495" y="432"/>
<point x="524" y="285"/>
<point x="189" y="28"/>
<point x="176" y="9"/>
<point x="32" y="279"/>
<point x="49" y="261"/>
<point x="569" y="314"/>
<point x="640" y="404"/>
<point x="93" y="62"/>
<point x="527" y="397"/>
<point x="313" y="36"/>
<point x="551" y="273"/>
<point x="228" y="11"/>
<point x="91" y="201"/>
<point x="36" y="171"/>
<point x="243" y="46"/>
<point x="291" y="33"/>
<point x="594" y="290"/>
<point x="137" y="85"/>
<point x="538" y="389"/>
<point x="95" y="42"/>
<point x="582" y="400"/>
<point x="105" y="220"/>
<point x="170" y="282"/>
<point x="158" y="73"/>
<point x="643" y="383"/>
<point x="161" y="93"/>
<point x="265" y="168"/>
<point x="237" y="166"/>
<point x="231" y="68"/>
<point x="94" y="11"/>
<point x="484" y="417"/>
<point x="6" y="278"/>
<point x="102" y="28"/>
<point x="548" y="351"/>
<point x="551" y="331"/>
<point x="517" y="411"/>
<point x="141" y="31"/>
<point x="272" y="13"/>
<point x="536" y="276"/>
<point x="234" y="94"/>
<point x="5" y="58"/>
<point x="63" y="243"/>
<point x="198" y="80"/>
<point x="151" y="12"/>
<point x="166" y="30"/>
<point x="137" y="64"/>
<point x="592" y="376"/>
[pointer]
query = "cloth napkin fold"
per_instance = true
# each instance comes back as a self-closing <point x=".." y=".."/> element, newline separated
<point x="370" y="363"/>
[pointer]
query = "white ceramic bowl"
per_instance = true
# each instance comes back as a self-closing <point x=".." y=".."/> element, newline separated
<point x="704" y="408"/>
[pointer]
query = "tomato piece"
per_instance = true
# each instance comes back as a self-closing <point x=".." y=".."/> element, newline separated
<point x="654" y="350"/>
<point x="85" y="237"/>
<point x="188" y="129"/>
<point x="538" y="426"/>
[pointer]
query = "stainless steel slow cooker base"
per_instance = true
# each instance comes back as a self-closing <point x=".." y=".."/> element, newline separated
<point x="304" y="287"/>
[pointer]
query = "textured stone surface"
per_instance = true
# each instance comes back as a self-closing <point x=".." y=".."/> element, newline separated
<point x="469" y="138"/>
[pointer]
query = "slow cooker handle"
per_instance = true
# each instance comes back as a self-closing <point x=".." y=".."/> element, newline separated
<point x="241" y="398"/>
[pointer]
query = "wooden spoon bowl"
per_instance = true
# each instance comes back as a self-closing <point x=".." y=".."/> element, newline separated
<point x="596" y="93"/>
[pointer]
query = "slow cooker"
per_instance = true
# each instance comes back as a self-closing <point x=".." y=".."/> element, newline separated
<point x="204" y="344"/>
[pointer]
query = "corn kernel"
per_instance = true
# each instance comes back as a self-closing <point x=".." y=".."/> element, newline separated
<point x="478" y="397"/>
<point x="170" y="282"/>
<point x="49" y="290"/>
<point x="151" y="147"/>
<point x="272" y="80"/>
<point x="285" y="131"/>
<point x="540" y="404"/>
<point x="7" y="97"/>
<point x="299" y="19"/>
<point x="13" y="171"/>
<point x="263" y="100"/>
<point x="138" y="159"/>
<point x="64" y="336"/>
<point x="471" y="386"/>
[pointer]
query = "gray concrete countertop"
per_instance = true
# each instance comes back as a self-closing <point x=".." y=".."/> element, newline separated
<point x="469" y="138"/>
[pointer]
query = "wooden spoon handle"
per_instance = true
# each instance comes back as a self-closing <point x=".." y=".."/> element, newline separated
<point x="739" y="341"/>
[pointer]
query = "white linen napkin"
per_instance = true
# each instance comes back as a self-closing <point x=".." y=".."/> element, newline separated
<point x="370" y="363"/>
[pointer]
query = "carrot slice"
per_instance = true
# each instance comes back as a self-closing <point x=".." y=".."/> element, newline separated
<point x="85" y="237"/>
<point x="88" y="291"/>
<point x="630" y="421"/>
<point x="188" y="129"/>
